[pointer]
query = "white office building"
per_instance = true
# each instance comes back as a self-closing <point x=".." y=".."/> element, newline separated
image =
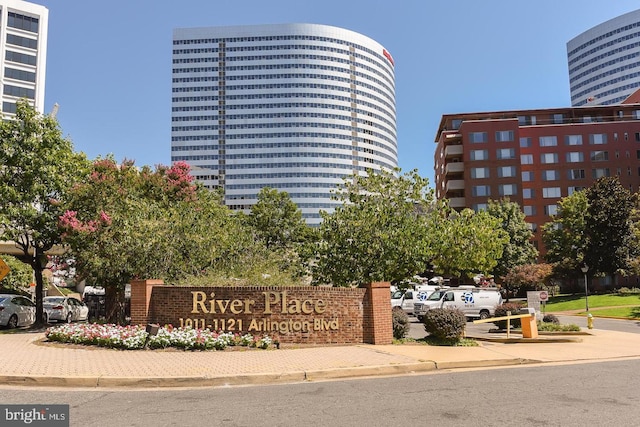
<point x="23" y="46"/>
<point x="604" y="62"/>
<point x="295" y="107"/>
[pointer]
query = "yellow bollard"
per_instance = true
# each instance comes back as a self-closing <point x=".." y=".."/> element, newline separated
<point x="589" y="321"/>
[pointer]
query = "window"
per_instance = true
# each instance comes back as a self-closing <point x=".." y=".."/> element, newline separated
<point x="636" y="114"/>
<point x="548" y="141"/>
<point x="478" y="173"/>
<point x="551" y="192"/>
<point x="533" y="227"/>
<point x="481" y="191"/>
<point x="479" y="207"/>
<point x="576" y="174"/>
<point x="547" y="158"/>
<point x="637" y="136"/>
<point x="526" y="159"/>
<point x="551" y="175"/>
<point x="479" y="154"/>
<point x="600" y="172"/>
<point x="573" y="140"/>
<point x="529" y="210"/>
<point x="455" y="124"/>
<point x="477" y="137"/>
<point x="507" y="189"/>
<point x="528" y="193"/>
<point x="527" y="176"/>
<point x="506" y="171"/>
<point x="599" y="156"/>
<point x="506" y="153"/>
<point x="551" y="210"/>
<point x="558" y="119"/>
<point x="575" y="157"/>
<point x="504" y="136"/>
<point x="525" y="142"/>
<point x="597" y="138"/>
<point x="571" y="190"/>
<point x="526" y="120"/>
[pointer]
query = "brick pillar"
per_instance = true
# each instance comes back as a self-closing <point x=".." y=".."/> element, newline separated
<point x="140" y="299"/>
<point x="377" y="324"/>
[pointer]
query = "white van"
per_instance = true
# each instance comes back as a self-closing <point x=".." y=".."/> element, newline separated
<point x="474" y="302"/>
<point x="408" y="299"/>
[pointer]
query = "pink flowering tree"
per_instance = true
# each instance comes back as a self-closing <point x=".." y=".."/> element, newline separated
<point x="37" y="169"/>
<point x="127" y="222"/>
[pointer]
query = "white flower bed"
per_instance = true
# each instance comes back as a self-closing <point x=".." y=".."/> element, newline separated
<point x="135" y="337"/>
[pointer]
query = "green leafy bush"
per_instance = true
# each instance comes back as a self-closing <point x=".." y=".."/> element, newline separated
<point x="445" y="324"/>
<point x="502" y="310"/>
<point x="400" y="323"/>
<point x="554" y="327"/>
<point x="627" y="291"/>
<point x="550" y="318"/>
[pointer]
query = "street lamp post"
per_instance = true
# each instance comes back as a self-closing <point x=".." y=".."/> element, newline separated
<point x="584" y="269"/>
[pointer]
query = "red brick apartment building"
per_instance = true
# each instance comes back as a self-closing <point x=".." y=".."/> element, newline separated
<point x="535" y="157"/>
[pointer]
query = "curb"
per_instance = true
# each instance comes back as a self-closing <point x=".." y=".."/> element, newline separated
<point x="254" y="379"/>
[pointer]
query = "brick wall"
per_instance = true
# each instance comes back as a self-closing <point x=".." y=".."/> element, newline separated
<point x="313" y="315"/>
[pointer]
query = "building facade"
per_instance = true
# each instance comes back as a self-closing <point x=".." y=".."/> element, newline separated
<point x="535" y="157"/>
<point x="604" y="65"/>
<point x="294" y="107"/>
<point x="23" y="48"/>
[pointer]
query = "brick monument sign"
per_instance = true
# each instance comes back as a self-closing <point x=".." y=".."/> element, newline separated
<point x="301" y="314"/>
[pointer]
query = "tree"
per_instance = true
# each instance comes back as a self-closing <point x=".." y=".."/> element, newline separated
<point x="529" y="276"/>
<point x="37" y="169"/>
<point x="125" y="223"/>
<point x="518" y="250"/>
<point x="594" y="227"/>
<point x="609" y="227"/>
<point x="564" y="235"/>
<point x="20" y="274"/>
<point x="277" y="223"/>
<point x="464" y="243"/>
<point x="377" y="233"/>
<point x="276" y="219"/>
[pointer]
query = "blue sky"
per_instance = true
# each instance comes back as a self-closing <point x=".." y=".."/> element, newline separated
<point x="109" y="63"/>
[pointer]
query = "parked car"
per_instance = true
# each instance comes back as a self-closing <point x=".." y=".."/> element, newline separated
<point x="64" y="309"/>
<point x="16" y="310"/>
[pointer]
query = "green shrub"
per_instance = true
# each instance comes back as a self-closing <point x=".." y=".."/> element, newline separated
<point x="627" y="291"/>
<point x="502" y="310"/>
<point x="554" y="327"/>
<point x="445" y="324"/>
<point x="401" y="324"/>
<point x="550" y="318"/>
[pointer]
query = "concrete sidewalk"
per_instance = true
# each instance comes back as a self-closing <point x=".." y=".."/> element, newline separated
<point x="26" y="360"/>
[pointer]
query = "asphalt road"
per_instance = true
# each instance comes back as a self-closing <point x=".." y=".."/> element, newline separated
<point x="596" y="394"/>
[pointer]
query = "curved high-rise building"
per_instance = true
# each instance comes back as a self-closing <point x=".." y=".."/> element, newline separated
<point x="604" y="62"/>
<point x="294" y="107"/>
<point x="23" y="54"/>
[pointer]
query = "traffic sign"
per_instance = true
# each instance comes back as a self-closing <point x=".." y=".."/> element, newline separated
<point x="544" y="296"/>
<point x="4" y="269"/>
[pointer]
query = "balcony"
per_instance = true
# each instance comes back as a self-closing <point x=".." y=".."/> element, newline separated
<point x="457" y="202"/>
<point x="452" y="137"/>
<point x="454" y="167"/>
<point x="454" y="185"/>
<point x="453" y="151"/>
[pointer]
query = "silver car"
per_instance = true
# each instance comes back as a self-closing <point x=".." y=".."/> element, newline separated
<point x="16" y="310"/>
<point x="64" y="309"/>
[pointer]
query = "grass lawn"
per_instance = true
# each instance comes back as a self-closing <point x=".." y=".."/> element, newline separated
<point x="621" y="312"/>
<point x="576" y="302"/>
